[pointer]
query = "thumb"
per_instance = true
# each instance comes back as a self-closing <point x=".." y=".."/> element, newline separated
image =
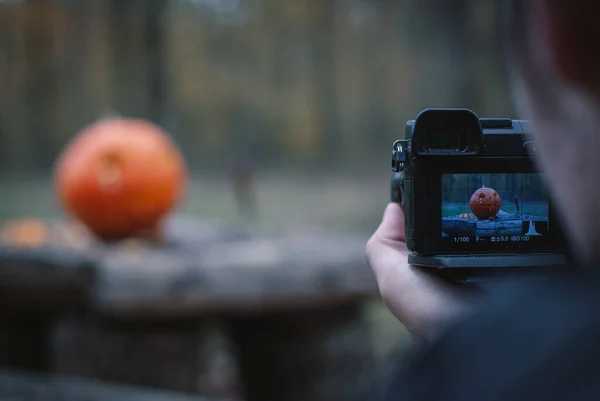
<point x="392" y="224"/>
<point x="383" y="247"/>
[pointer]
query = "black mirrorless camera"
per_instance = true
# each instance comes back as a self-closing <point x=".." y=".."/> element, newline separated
<point x="474" y="203"/>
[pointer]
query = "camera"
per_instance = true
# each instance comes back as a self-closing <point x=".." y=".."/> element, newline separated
<point x="474" y="203"/>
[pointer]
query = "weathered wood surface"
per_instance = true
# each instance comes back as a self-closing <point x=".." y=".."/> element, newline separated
<point x="24" y="343"/>
<point x="18" y="386"/>
<point x="504" y="224"/>
<point x="245" y="275"/>
<point x="201" y="267"/>
<point x="36" y="281"/>
<point x="288" y="303"/>
<point x="319" y="354"/>
<point x="187" y="356"/>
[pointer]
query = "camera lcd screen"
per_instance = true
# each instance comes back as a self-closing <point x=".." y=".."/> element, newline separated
<point x="494" y="211"/>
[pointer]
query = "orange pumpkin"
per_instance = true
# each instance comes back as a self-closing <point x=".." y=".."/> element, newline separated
<point x="485" y="203"/>
<point x="120" y="177"/>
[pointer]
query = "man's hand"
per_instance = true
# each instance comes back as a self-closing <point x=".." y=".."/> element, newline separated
<point x="422" y="301"/>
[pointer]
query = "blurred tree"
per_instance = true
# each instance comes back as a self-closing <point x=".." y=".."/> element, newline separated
<point x="34" y="35"/>
<point x="137" y="42"/>
<point x="300" y="82"/>
<point x="323" y="63"/>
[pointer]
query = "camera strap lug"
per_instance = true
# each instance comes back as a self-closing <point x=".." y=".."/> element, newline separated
<point x="399" y="155"/>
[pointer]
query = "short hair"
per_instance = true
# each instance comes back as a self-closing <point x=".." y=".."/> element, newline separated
<point x="517" y="44"/>
<point x="577" y="23"/>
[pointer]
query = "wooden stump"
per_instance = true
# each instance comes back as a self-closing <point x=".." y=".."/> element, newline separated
<point x="290" y="302"/>
<point x="315" y="354"/>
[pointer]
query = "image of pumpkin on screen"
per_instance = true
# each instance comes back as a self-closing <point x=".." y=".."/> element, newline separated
<point x="494" y="207"/>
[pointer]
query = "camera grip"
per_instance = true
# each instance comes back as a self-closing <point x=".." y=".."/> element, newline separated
<point x="397" y="188"/>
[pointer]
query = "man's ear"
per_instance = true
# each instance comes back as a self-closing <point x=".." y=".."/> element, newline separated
<point x="571" y="32"/>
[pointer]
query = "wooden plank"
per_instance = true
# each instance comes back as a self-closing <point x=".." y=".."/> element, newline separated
<point x="503" y="224"/>
<point x="201" y="267"/>
<point x="248" y="275"/>
<point x="17" y="386"/>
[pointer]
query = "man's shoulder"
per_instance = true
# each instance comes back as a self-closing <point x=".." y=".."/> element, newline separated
<point x="534" y="340"/>
<point x="535" y="305"/>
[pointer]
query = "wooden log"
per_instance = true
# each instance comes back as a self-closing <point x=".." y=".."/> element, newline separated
<point x="20" y="386"/>
<point x="503" y="224"/>
<point x="318" y="354"/>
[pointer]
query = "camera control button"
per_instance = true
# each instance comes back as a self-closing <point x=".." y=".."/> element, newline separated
<point x="530" y="147"/>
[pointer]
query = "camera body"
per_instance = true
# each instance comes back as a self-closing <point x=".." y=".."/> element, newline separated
<point x="474" y="202"/>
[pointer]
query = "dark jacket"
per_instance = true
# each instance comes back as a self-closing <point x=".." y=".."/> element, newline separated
<point x="534" y="342"/>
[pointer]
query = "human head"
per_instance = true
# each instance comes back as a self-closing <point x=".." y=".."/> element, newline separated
<point x="554" y="62"/>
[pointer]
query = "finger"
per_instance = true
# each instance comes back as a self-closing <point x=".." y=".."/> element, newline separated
<point x="392" y="224"/>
